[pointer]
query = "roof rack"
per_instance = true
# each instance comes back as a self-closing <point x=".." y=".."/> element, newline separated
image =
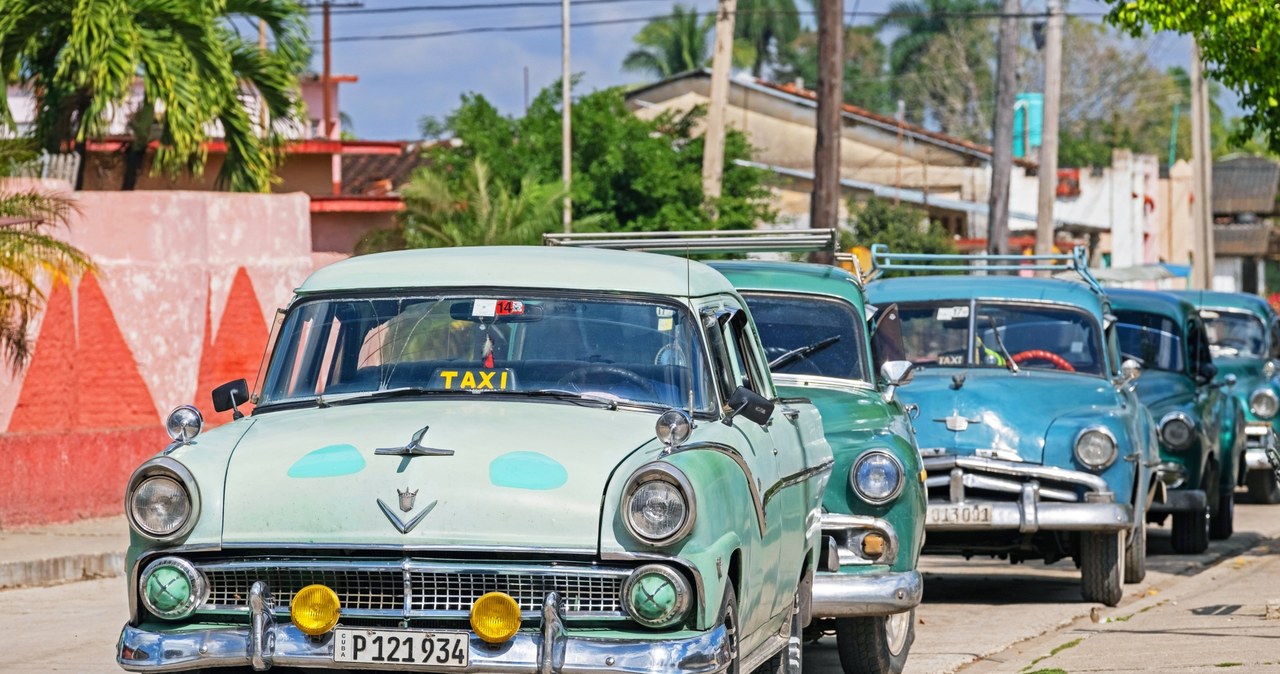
<point x="711" y="241"/>
<point x="883" y="260"/>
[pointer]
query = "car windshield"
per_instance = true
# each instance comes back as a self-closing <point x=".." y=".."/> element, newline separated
<point x="1151" y="338"/>
<point x="1235" y="334"/>
<point x="1031" y="335"/>
<point x="645" y="352"/>
<point x="810" y="335"/>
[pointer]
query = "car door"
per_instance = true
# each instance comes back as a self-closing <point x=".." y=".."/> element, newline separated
<point x="1209" y="399"/>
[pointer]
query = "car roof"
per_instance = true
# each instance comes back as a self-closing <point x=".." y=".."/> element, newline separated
<point x="801" y="277"/>
<point x="963" y="287"/>
<point x="1151" y="301"/>
<point x="1218" y="299"/>
<point x="520" y="267"/>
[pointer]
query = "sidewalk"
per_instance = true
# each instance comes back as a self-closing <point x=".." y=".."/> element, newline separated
<point x="1226" y="617"/>
<point x="60" y="553"/>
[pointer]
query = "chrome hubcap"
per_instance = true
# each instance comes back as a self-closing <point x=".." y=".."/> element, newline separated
<point x="896" y="628"/>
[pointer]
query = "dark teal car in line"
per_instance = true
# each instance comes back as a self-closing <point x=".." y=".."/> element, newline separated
<point x="1244" y="337"/>
<point x="1201" y="448"/>
<point x="813" y="324"/>
<point x="1035" y="444"/>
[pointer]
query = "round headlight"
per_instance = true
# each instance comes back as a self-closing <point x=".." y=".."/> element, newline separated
<point x="160" y="505"/>
<point x="1264" y="403"/>
<point x="656" y="504"/>
<point x="1177" y="431"/>
<point x="184" y="423"/>
<point x="876" y="477"/>
<point x="171" y="588"/>
<point x="1096" y="448"/>
<point x="656" y="596"/>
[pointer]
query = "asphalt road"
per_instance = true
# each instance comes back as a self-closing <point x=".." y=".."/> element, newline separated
<point x="979" y="611"/>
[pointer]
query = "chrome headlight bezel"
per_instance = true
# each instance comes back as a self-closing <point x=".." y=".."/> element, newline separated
<point x="659" y="472"/>
<point x="1108" y="436"/>
<point x="197" y="584"/>
<point x="1264" y="395"/>
<point x="857" y="488"/>
<point x="684" y="595"/>
<point x="1167" y="421"/>
<point x="166" y="467"/>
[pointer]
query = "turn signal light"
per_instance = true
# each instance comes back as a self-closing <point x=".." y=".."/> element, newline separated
<point x="495" y="617"/>
<point x="873" y="546"/>
<point x="315" y="610"/>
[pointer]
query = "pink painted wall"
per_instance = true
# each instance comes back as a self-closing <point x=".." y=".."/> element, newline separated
<point x="187" y="284"/>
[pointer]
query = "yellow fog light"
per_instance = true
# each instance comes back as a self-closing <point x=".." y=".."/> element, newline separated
<point x="495" y="617"/>
<point x="873" y="546"/>
<point x="314" y="610"/>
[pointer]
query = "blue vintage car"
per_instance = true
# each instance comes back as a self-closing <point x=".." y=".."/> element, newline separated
<point x="813" y="324"/>
<point x="1201" y="448"/>
<point x="1244" y="337"/>
<point x="1035" y="445"/>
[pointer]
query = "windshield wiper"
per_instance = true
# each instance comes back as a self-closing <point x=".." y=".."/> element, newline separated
<point x="802" y="352"/>
<point x="325" y="401"/>
<point x="995" y="331"/>
<point x="554" y="394"/>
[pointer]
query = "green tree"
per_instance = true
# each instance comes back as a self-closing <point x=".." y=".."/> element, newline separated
<point x="672" y="44"/>
<point x="29" y="253"/>
<point x="919" y="22"/>
<point x="766" y="25"/>
<point x="903" y="228"/>
<point x="82" y="58"/>
<point x="866" y="76"/>
<point x="630" y="173"/>
<point x="1239" y="43"/>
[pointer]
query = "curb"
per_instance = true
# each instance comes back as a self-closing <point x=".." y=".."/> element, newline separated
<point x="43" y="572"/>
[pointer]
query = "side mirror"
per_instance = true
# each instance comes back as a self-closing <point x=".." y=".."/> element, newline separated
<point x="749" y="404"/>
<point x="230" y="396"/>
<point x="1206" y="373"/>
<point x="1130" y="370"/>
<point x="1229" y="381"/>
<point x="896" y="373"/>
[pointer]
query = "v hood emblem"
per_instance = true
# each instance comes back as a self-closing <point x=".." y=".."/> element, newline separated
<point x="400" y="525"/>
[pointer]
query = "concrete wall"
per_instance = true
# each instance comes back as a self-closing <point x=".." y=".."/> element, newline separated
<point x="187" y="284"/>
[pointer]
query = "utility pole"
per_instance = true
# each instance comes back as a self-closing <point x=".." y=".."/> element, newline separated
<point x="1002" y="130"/>
<point x="326" y="78"/>
<point x="824" y="204"/>
<point x="897" y="178"/>
<point x="1049" y="137"/>
<point x="566" y="107"/>
<point x="1202" y="176"/>
<point x="713" y="140"/>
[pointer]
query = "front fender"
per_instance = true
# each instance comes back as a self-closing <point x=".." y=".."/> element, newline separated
<point x="1123" y="473"/>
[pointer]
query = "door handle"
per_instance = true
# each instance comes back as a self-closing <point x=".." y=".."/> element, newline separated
<point x="790" y="414"/>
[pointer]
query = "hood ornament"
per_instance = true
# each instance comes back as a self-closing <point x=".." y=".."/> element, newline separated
<point x="957" y="423"/>
<point x="414" y="447"/>
<point x="406" y="498"/>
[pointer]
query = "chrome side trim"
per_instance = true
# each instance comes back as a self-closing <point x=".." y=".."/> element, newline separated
<point x="732" y="453"/>
<point x="816" y="381"/>
<point x="796" y="478"/>
<point x="945" y="463"/>
<point x="850" y="595"/>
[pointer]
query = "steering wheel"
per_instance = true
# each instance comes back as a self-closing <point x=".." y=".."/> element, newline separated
<point x="582" y="374"/>
<point x="1040" y="354"/>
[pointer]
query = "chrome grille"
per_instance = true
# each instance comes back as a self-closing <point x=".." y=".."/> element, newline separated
<point x="377" y="588"/>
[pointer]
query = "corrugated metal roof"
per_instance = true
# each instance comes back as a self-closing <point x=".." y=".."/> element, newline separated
<point x="1245" y="185"/>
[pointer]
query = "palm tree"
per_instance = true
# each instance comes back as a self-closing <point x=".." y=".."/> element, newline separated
<point x="765" y="25"/>
<point x="672" y="44"/>
<point x="920" y="21"/>
<point x="28" y="254"/>
<point x="82" y="59"/>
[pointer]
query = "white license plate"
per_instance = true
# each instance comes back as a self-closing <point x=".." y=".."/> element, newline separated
<point x="977" y="513"/>
<point x="401" y="647"/>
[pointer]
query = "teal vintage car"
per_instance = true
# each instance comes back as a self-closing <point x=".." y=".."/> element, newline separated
<point x="1034" y="443"/>
<point x="1201" y="446"/>
<point x="488" y="460"/>
<point x="1244" y="338"/>
<point x="813" y="324"/>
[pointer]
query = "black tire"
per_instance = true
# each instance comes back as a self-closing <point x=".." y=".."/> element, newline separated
<point x="729" y="618"/>
<point x="1102" y="566"/>
<point x="1222" y="522"/>
<point x="1191" y="532"/>
<point x="1135" y="555"/>
<point x="876" y="645"/>
<point x="789" y="660"/>
<point x="1263" y="487"/>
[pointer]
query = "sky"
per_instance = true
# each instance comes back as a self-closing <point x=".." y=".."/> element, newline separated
<point x="401" y="80"/>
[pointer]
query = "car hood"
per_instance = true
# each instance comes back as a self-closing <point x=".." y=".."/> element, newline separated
<point x="520" y="474"/>
<point x="998" y="410"/>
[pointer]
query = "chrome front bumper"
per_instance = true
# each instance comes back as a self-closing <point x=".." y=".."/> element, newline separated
<point x="550" y="651"/>
<point x="1258" y="439"/>
<point x="851" y="595"/>
<point x="1030" y="510"/>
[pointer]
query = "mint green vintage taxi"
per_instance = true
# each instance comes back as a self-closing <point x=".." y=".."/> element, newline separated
<point x="488" y="460"/>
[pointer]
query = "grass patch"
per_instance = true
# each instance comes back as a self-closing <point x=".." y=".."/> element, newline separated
<point x="1229" y="664"/>
<point x="1070" y="644"/>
